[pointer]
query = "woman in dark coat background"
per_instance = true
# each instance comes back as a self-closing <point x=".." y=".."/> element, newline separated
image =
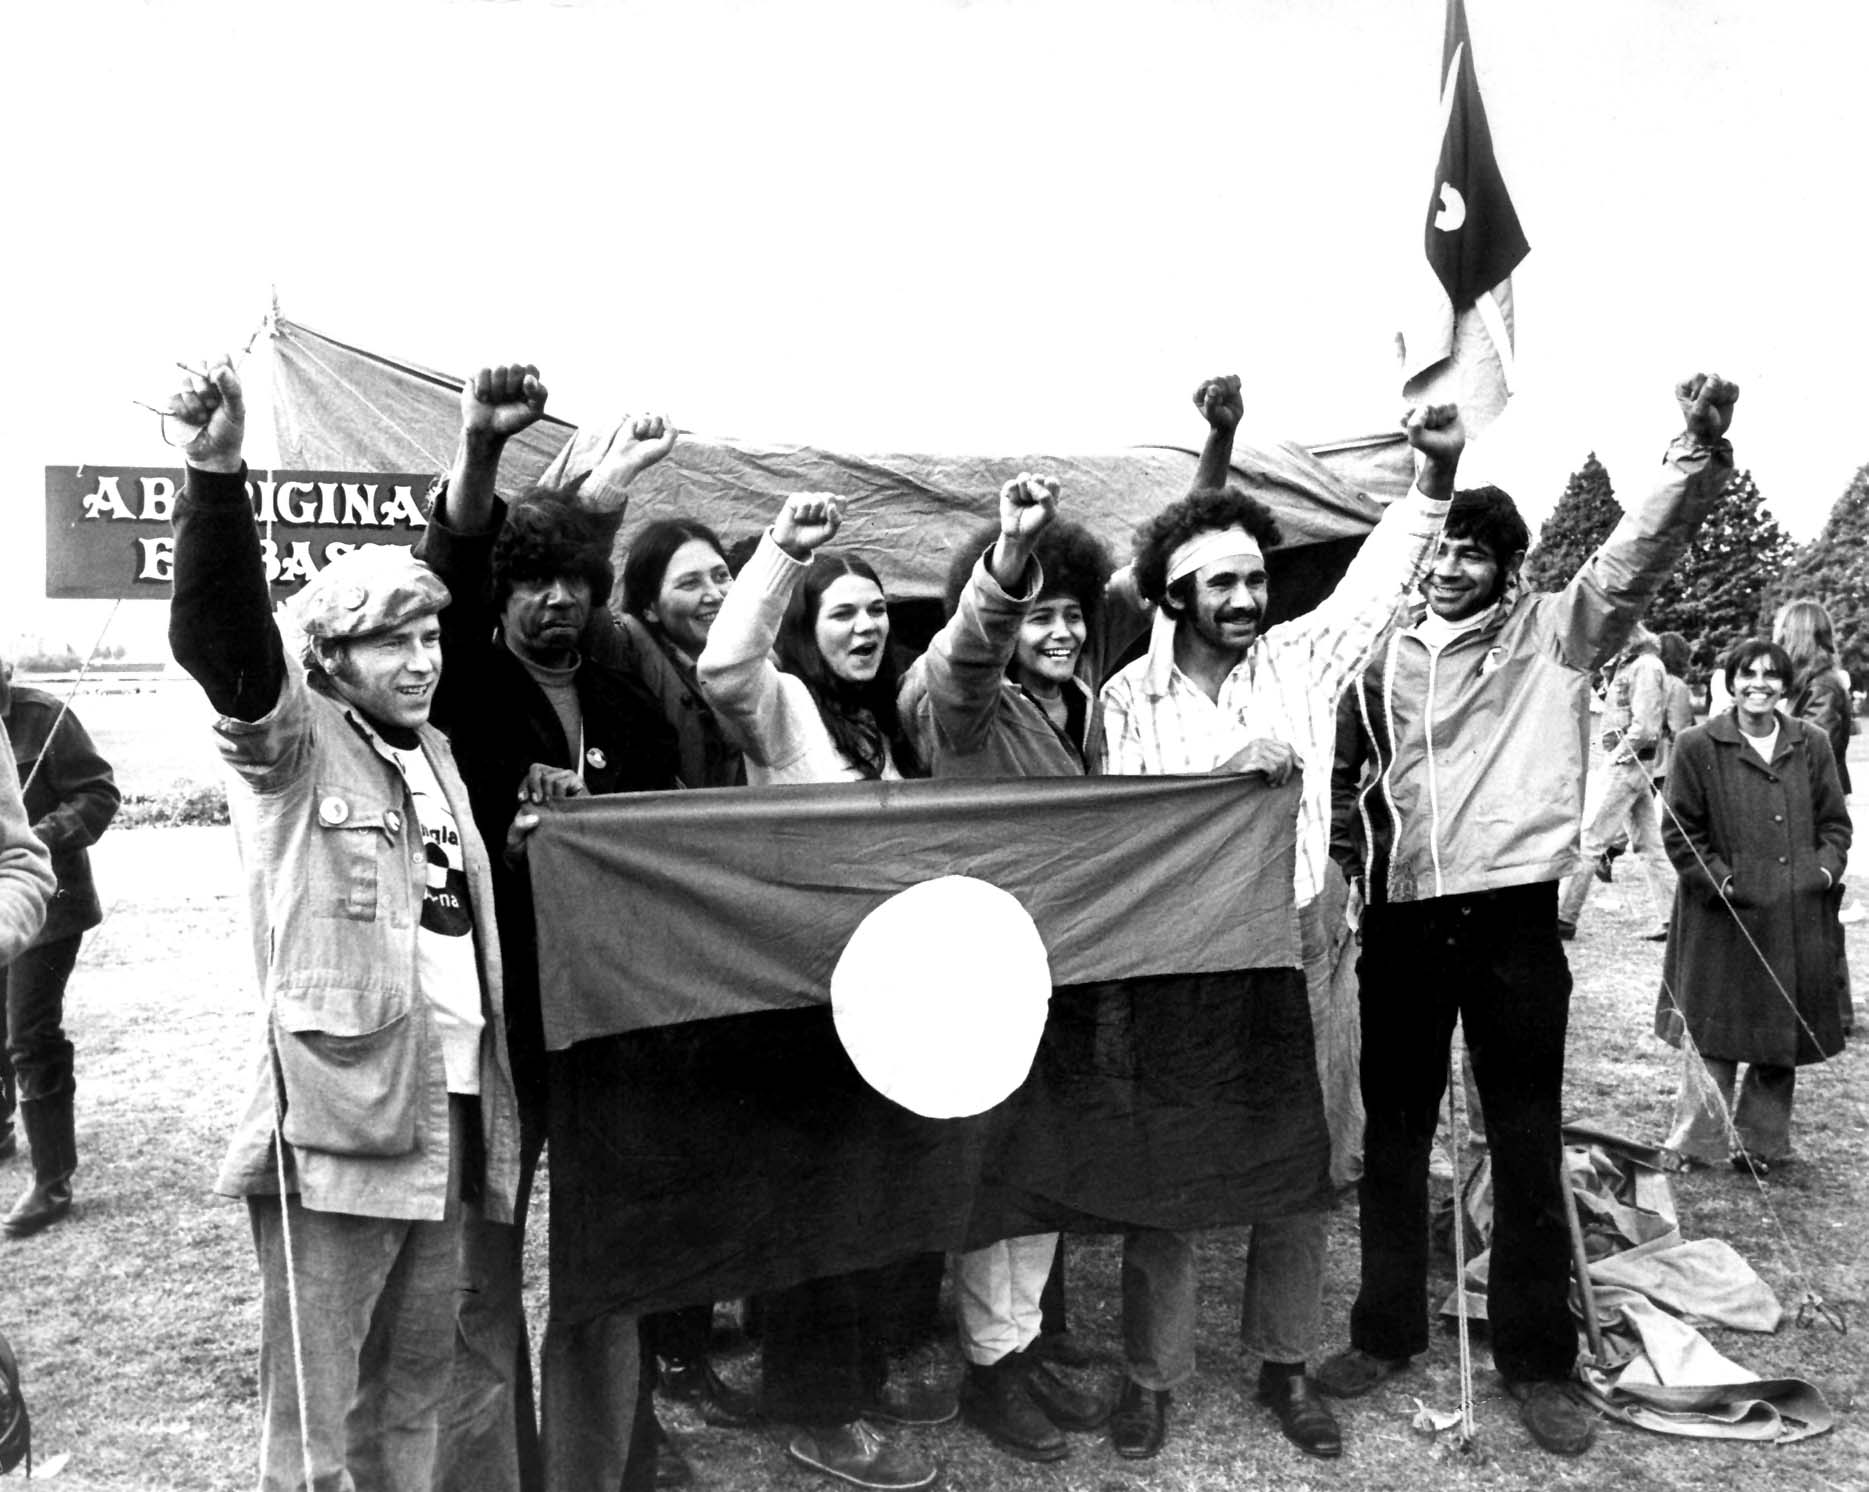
<point x="1758" y="831"/>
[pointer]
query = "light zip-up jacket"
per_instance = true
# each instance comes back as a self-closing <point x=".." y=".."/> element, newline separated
<point x="1476" y="752"/>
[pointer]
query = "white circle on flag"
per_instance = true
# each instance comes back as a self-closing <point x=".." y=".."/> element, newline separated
<point x="940" y="996"/>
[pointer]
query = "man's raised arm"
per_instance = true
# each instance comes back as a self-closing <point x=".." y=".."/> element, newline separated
<point x="1222" y="405"/>
<point x="220" y="620"/>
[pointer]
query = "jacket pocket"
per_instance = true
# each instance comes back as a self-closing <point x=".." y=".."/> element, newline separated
<point x="351" y="1072"/>
<point x="355" y="835"/>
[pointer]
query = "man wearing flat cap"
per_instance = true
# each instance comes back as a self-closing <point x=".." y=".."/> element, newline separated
<point x="1217" y="691"/>
<point x="383" y="1111"/>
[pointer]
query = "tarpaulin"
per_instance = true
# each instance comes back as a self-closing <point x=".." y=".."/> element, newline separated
<point x="338" y="407"/>
<point x="709" y="1136"/>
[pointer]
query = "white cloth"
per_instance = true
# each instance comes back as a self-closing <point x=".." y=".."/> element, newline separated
<point x="444" y="947"/>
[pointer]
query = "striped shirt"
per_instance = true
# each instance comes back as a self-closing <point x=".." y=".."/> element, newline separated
<point x="1155" y="719"/>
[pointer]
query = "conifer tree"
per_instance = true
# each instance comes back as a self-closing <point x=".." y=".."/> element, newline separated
<point x="1580" y="522"/>
<point x="1717" y="594"/>
<point x="1834" y="569"/>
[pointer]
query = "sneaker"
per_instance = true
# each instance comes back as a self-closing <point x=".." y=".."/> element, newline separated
<point x="1550" y="1411"/>
<point x="1351" y="1373"/>
<point x="859" y="1453"/>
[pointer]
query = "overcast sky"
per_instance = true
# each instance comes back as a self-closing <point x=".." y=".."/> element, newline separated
<point x="936" y="225"/>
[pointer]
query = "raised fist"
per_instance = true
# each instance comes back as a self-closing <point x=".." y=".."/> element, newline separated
<point x="1220" y="402"/>
<point x="500" y="402"/>
<point x="1026" y="505"/>
<point x="211" y="404"/>
<point x="1436" y="431"/>
<point x="807" y="520"/>
<point x="1706" y="402"/>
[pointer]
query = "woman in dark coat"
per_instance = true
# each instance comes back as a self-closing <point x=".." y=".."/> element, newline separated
<point x="1757" y="829"/>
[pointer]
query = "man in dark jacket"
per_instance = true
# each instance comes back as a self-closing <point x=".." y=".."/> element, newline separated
<point x="530" y="717"/>
<point x="70" y="800"/>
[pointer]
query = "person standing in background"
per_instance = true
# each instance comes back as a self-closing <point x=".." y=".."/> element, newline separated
<point x="70" y="799"/>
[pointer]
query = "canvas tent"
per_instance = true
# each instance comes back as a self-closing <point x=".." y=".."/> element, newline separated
<point x="338" y="407"/>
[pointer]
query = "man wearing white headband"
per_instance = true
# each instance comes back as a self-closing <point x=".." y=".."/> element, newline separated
<point x="1218" y="692"/>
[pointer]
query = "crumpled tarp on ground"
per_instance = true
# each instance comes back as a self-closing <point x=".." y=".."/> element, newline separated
<point x="1652" y="1289"/>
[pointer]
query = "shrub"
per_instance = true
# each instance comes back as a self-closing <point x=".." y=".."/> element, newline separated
<point x="179" y="804"/>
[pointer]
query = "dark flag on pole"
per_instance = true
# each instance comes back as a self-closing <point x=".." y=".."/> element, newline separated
<point x="714" y="1129"/>
<point x="1462" y="348"/>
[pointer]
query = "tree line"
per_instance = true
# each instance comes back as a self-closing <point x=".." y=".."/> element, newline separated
<point x="1740" y="569"/>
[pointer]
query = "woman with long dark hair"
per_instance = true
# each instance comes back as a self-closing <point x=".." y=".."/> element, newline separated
<point x="825" y="711"/>
<point x="674" y="581"/>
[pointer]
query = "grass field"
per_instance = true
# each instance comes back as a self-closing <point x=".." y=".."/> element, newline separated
<point x="136" y="1321"/>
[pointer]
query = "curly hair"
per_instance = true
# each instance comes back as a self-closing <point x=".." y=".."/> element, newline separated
<point x="1488" y="516"/>
<point x="1075" y="562"/>
<point x="649" y="554"/>
<point x="547" y="534"/>
<point x="1204" y="508"/>
<point x="859" y="717"/>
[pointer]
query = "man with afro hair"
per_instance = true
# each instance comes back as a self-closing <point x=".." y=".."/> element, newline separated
<point x="1218" y="692"/>
<point x="530" y="717"/>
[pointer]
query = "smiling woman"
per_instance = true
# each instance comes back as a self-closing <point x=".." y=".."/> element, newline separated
<point x="826" y="712"/>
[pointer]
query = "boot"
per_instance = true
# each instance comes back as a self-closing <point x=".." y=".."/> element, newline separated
<point x="49" y="1131"/>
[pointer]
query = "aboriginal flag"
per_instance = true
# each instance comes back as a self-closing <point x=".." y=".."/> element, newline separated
<point x="710" y="1134"/>
<point x="1461" y="347"/>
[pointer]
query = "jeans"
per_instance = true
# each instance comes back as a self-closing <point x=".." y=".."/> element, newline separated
<point x="1761" y="1120"/>
<point x="35" y="1057"/>
<point x="1622" y="790"/>
<point x="1279" y="1318"/>
<point x="373" y="1331"/>
<point x="1492" y="959"/>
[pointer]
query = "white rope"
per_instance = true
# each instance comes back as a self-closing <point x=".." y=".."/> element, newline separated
<point x="1456" y="1139"/>
<point x="292" y="1294"/>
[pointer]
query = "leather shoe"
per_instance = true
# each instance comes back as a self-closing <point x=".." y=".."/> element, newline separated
<point x="995" y="1401"/>
<point x="1302" y="1414"/>
<point x="44" y="1203"/>
<point x="1556" y="1420"/>
<point x="1060" y="1347"/>
<point x="695" y="1382"/>
<point x="1140" y="1424"/>
<point x="1064" y="1404"/>
<point x="858" y="1453"/>
<point x="1604" y="867"/>
<point x="1351" y="1373"/>
<point x="1566" y="930"/>
<point x="912" y="1404"/>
